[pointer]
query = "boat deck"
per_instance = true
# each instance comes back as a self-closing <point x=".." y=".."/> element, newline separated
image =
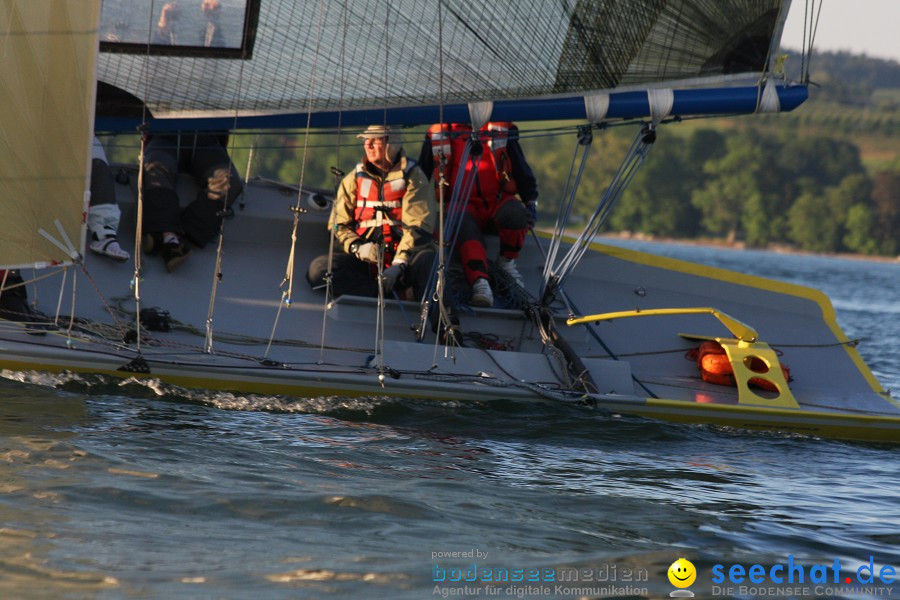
<point x="260" y="345"/>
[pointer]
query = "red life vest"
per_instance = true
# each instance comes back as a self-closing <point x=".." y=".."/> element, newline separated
<point x="716" y="368"/>
<point x="381" y="203"/>
<point x="494" y="177"/>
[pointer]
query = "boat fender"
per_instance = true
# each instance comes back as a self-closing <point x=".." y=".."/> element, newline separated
<point x="716" y="368"/>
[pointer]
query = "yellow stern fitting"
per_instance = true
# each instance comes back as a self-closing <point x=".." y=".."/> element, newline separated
<point x="743" y="352"/>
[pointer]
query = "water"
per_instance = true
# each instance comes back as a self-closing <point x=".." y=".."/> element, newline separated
<point x="139" y="491"/>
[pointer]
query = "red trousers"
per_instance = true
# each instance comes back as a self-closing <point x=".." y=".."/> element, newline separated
<point x="508" y="217"/>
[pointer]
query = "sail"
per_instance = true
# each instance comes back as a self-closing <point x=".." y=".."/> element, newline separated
<point x="300" y="56"/>
<point x="48" y="51"/>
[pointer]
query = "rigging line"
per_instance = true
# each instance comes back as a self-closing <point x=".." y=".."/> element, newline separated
<point x="217" y="271"/>
<point x="379" y="314"/>
<point x="803" y="42"/>
<point x="251" y="154"/>
<point x="572" y="309"/>
<point x="139" y="217"/>
<point x="563" y="262"/>
<point x="329" y="288"/>
<point x="459" y="198"/>
<point x="563" y="215"/>
<point x="62" y="287"/>
<point x="287" y="295"/>
<point x="119" y="326"/>
<point x="440" y="273"/>
<point x="72" y="308"/>
<point x="814" y="27"/>
<point x="633" y="160"/>
<point x="289" y="274"/>
<point x="34" y="279"/>
<point x="379" y="215"/>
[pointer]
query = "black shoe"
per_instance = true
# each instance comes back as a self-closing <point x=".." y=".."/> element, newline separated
<point x="174" y="253"/>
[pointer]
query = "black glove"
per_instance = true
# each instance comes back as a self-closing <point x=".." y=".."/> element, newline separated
<point x="531" y="205"/>
<point x="391" y="275"/>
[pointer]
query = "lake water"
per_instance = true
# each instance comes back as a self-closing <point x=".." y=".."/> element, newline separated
<point x="136" y="491"/>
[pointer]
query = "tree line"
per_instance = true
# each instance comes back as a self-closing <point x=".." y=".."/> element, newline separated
<point x="737" y="182"/>
<point x="749" y="185"/>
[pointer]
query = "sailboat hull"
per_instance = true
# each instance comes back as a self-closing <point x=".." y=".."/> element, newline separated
<point x="259" y="345"/>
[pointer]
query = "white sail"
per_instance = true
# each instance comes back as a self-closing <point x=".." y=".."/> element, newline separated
<point x="48" y="52"/>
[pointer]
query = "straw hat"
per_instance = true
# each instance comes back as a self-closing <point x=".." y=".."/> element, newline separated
<point x="394" y="135"/>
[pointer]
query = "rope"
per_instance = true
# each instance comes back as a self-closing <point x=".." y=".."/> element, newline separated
<point x="585" y="140"/>
<point x="248" y="172"/>
<point x="379" y="314"/>
<point x="329" y="288"/>
<point x="632" y="162"/>
<point x="813" y="28"/>
<point x="459" y="198"/>
<point x="289" y="272"/>
<point x="287" y="294"/>
<point x="139" y="218"/>
<point x="217" y="271"/>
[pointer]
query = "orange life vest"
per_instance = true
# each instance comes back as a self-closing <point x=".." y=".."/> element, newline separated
<point x="380" y="203"/>
<point x="716" y="368"/>
<point x="494" y="177"/>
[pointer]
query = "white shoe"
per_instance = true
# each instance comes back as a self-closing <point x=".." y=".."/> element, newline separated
<point x="481" y="293"/>
<point x="508" y="265"/>
<point x="110" y="247"/>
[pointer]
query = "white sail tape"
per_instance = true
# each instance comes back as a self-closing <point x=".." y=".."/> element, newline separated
<point x="769" y="102"/>
<point x="65" y="236"/>
<point x="72" y="254"/>
<point x="595" y="107"/>
<point x="661" y="102"/>
<point x="480" y="113"/>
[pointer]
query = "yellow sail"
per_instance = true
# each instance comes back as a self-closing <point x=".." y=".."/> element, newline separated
<point x="48" y="52"/>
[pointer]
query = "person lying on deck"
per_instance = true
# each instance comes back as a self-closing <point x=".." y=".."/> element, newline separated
<point x="103" y="212"/>
<point x="167" y="227"/>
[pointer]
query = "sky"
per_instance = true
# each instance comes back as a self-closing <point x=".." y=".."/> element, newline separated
<point x="859" y="26"/>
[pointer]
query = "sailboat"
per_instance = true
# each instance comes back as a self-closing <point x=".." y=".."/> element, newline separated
<point x="593" y="325"/>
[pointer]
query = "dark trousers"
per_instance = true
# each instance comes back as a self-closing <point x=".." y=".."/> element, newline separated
<point x="353" y="276"/>
<point x="202" y="156"/>
<point x="103" y="186"/>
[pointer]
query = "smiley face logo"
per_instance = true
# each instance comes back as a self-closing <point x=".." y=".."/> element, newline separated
<point x="682" y="573"/>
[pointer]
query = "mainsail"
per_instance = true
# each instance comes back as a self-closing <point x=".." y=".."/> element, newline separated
<point x="365" y="57"/>
<point x="48" y="51"/>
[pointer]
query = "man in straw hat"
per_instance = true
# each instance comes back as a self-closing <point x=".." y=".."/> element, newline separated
<point x="384" y="213"/>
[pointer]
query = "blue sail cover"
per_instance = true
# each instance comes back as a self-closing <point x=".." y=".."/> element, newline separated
<point x="273" y="63"/>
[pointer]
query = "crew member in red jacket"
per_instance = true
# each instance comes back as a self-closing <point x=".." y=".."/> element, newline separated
<point x="503" y="197"/>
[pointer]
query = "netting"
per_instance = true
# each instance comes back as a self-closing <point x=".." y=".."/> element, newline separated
<point x="492" y="51"/>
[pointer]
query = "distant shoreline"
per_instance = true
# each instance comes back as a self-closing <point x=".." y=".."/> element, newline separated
<point x="720" y="243"/>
